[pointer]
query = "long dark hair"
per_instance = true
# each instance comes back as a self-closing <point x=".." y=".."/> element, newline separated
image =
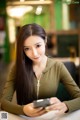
<point x="24" y="72"/>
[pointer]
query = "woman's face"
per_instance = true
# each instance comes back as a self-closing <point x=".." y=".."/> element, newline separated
<point x="34" y="48"/>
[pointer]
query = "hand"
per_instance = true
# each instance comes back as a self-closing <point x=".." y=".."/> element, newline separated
<point x="56" y="104"/>
<point x="29" y="110"/>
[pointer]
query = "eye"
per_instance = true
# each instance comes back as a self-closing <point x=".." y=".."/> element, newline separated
<point x="26" y="49"/>
<point x="38" y="46"/>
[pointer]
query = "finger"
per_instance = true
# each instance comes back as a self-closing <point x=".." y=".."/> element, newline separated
<point x="56" y="106"/>
<point x="59" y="106"/>
<point x="61" y="112"/>
<point x="54" y="100"/>
<point x="35" y="111"/>
<point x="39" y="113"/>
<point x="38" y="110"/>
<point x="42" y="112"/>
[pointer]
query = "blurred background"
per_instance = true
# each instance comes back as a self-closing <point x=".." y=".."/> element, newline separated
<point x="60" y="19"/>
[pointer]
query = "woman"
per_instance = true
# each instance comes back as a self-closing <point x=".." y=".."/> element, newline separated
<point x="35" y="76"/>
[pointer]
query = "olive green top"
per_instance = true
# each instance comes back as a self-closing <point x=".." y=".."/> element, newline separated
<point x="52" y="75"/>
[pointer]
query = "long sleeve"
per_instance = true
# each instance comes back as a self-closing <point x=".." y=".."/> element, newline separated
<point x="53" y="73"/>
<point x="72" y="88"/>
<point x="6" y="101"/>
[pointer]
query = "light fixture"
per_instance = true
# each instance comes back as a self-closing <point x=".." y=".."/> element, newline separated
<point x="22" y="0"/>
<point x="38" y="10"/>
<point x="11" y="30"/>
<point x="18" y="11"/>
<point x="30" y="2"/>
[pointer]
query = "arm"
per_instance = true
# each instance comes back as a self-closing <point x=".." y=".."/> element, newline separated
<point x="14" y="108"/>
<point x="72" y="88"/>
<point x="8" y="92"/>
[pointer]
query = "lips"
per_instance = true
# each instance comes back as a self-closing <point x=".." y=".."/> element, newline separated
<point x="36" y="58"/>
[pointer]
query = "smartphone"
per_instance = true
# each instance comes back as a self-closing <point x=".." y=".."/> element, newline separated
<point x="41" y="103"/>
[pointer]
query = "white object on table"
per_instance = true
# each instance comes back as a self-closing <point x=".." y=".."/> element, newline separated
<point x="52" y="115"/>
<point x="71" y="116"/>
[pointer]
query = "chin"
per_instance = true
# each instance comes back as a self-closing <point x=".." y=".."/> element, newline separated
<point x="37" y="61"/>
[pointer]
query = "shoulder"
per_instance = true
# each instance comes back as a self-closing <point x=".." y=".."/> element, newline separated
<point x="52" y="62"/>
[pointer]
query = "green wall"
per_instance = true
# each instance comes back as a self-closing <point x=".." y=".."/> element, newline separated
<point x="43" y="19"/>
<point x="58" y="14"/>
<point x="6" y="55"/>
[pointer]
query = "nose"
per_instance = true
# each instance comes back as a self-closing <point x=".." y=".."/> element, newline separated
<point x="34" y="52"/>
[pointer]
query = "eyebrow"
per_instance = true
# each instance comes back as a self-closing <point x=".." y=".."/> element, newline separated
<point x="34" y="44"/>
